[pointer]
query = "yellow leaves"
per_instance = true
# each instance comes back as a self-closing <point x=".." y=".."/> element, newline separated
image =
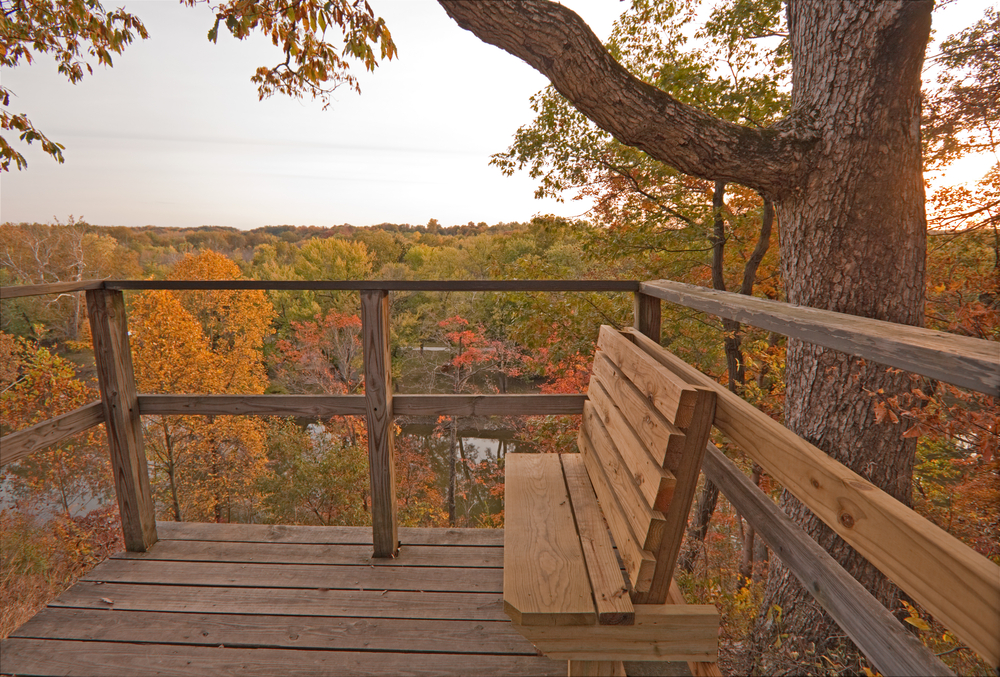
<point x="914" y="618"/>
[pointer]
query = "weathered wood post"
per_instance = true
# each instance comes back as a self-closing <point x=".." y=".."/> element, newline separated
<point x="378" y="402"/>
<point x="646" y="315"/>
<point x="108" y="326"/>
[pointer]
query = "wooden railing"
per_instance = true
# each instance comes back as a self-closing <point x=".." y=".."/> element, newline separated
<point x="959" y="586"/>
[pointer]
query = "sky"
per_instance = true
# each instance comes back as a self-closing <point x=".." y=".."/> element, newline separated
<point x="174" y="134"/>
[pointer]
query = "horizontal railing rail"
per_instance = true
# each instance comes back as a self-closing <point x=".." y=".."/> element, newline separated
<point x="17" y="445"/>
<point x="960" y="360"/>
<point x="354" y="405"/>
<point x="956" y="584"/>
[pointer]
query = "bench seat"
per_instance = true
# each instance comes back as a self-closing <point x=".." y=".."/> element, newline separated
<point x="591" y="538"/>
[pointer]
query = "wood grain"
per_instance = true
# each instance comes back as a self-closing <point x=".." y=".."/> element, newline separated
<point x="660" y="437"/>
<point x="960" y="587"/>
<point x="959" y="360"/>
<point x="108" y="326"/>
<point x="333" y="576"/>
<point x="544" y="576"/>
<point x="611" y="598"/>
<point x="686" y="474"/>
<point x="109" y="659"/>
<point x="639" y="563"/>
<point x="664" y="632"/>
<point x="646" y="315"/>
<point x="17" y="445"/>
<point x="669" y="394"/>
<point x="284" y="601"/>
<point x="645" y="523"/>
<point x="286" y="533"/>
<point x="891" y="649"/>
<point x="697" y="668"/>
<point x="18" y="291"/>
<point x="378" y="400"/>
<point x="297" y="553"/>
<point x="322" y="406"/>
<point x="277" y="632"/>
<point x="654" y="482"/>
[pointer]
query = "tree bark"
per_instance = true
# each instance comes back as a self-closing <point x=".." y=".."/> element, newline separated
<point x="844" y="172"/>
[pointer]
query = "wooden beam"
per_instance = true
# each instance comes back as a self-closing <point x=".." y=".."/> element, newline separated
<point x="18" y="291"/>
<point x="655" y="482"/>
<point x="672" y="396"/>
<point x="322" y="406"/>
<point x="108" y="326"/>
<point x="386" y="285"/>
<point x="662" y="632"/>
<point x="318" y="406"/>
<point x="639" y="563"/>
<point x="890" y="647"/>
<point x="544" y="576"/>
<point x="646" y="315"/>
<point x="959" y="360"/>
<point x="17" y="445"/>
<point x="960" y="587"/>
<point x="487" y="405"/>
<point x="611" y="599"/>
<point x="697" y="668"/>
<point x="378" y="400"/>
<point x="664" y="440"/>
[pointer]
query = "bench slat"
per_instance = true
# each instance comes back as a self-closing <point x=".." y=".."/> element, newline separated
<point x="639" y="563"/>
<point x="695" y="439"/>
<point x="646" y="524"/>
<point x="664" y="440"/>
<point x="611" y="598"/>
<point x="670" y="394"/>
<point x="654" y="482"/>
<point x="544" y="577"/>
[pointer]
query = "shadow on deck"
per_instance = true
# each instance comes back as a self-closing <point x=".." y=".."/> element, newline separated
<point x="284" y="600"/>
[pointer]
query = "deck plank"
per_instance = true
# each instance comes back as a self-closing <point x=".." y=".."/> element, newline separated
<point x="283" y="533"/>
<point x="277" y="632"/>
<point x="429" y="579"/>
<point x="285" y="601"/>
<point x="218" y="599"/>
<point x="298" y="553"/>
<point x="54" y="657"/>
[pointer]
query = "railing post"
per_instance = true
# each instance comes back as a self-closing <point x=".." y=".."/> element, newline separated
<point x="108" y="326"/>
<point x="646" y="315"/>
<point x="378" y="401"/>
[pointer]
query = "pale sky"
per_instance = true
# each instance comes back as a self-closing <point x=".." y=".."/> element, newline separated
<point x="174" y="135"/>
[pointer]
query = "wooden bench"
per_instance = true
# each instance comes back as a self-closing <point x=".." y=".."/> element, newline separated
<point x="644" y="432"/>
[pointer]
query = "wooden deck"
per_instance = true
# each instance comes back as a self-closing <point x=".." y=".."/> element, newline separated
<point x="283" y="600"/>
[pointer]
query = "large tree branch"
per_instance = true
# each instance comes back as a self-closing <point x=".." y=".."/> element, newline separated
<point x="557" y="43"/>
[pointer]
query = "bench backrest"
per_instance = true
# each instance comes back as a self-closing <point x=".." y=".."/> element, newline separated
<point x="643" y="437"/>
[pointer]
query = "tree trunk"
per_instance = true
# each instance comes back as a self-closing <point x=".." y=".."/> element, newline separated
<point x="853" y="241"/>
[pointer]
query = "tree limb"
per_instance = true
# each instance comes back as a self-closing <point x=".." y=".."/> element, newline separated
<point x="556" y="42"/>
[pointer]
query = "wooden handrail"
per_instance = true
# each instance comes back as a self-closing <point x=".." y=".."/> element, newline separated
<point x="354" y="405"/>
<point x="385" y="285"/>
<point x="21" y="290"/>
<point x="891" y="648"/>
<point x="17" y="445"/>
<point x="959" y="360"/>
<point x="951" y="580"/>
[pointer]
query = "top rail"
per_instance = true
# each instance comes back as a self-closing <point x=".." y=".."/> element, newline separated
<point x="18" y="291"/>
<point x="13" y="292"/>
<point x="959" y="360"/>
<point x="383" y="285"/>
